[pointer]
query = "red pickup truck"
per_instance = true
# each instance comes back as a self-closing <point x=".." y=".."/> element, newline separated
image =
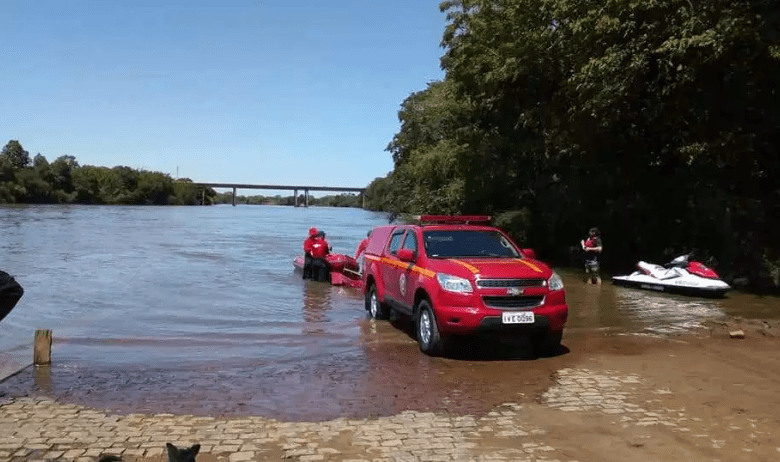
<point x="458" y="275"/>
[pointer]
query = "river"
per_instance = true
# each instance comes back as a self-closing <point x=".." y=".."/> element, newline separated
<point x="145" y="298"/>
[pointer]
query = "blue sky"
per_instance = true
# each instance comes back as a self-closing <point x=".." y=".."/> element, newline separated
<point x="263" y="91"/>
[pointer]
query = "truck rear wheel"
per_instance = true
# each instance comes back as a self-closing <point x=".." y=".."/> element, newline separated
<point x="375" y="308"/>
<point x="431" y="342"/>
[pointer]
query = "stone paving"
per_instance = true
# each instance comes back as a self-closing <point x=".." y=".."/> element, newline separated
<point x="39" y="429"/>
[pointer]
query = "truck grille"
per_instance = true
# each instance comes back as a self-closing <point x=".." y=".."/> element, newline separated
<point x="507" y="283"/>
<point x="504" y="303"/>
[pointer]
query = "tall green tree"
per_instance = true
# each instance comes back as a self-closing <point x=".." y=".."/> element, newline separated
<point x="582" y="112"/>
<point x="14" y="155"/>
<point x="428" y="176"/>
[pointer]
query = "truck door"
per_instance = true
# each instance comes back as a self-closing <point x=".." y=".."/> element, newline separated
<point x="407" y="279"/>
<point x="390" y="271"/>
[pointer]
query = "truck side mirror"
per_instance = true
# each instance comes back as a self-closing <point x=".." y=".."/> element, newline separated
<point x="529" y="253"/>
<point x="406" y="255"/>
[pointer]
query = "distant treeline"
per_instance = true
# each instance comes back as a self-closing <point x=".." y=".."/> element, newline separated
<point x="656" y="121"/>
<point x="340" y="200"/>
<point x="37" y="181"/>
<point x="64" y="181"/>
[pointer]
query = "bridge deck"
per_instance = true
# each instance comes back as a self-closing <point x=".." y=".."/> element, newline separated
<point x="295" y="189"/>
<point x="279" y="187"/>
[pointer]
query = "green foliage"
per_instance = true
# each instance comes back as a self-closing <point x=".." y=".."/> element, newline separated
<point x="64" y="181"/>
<point x="428" y="175"/>
<point x="340" y="200"/>
<point x="656" y="121"/>
<point x="378" y="194"/>
<point x="14" y="155"/>
<point x="517" y="223"/>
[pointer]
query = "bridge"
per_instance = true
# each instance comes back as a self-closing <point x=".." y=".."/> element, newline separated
<point x="295" y="189"/>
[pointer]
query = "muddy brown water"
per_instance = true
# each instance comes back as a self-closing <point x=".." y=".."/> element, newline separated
<point x="198" y="311"/>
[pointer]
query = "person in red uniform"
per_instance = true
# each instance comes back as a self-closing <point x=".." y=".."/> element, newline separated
<point x="307" y="258"/>
<point x="361" y="248"/>
<point x="319" y="250"/>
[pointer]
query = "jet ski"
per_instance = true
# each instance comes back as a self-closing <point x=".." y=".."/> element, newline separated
<point x="680" y="276"/>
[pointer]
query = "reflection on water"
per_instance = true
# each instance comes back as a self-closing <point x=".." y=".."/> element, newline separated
<point x="610" y="307"/>
<point x="42" y="378"/>
<point x="664" y="313"/>
<point x="627" y="309"/>
<point x="316" y="304"/>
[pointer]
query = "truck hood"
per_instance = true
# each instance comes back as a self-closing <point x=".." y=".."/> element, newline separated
<point x="492" y="268"/>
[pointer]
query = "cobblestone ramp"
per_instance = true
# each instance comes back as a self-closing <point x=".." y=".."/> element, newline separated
<point x="41" y="429"/>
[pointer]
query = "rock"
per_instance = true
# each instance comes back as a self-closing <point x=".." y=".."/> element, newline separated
<point x="737" y="334"/>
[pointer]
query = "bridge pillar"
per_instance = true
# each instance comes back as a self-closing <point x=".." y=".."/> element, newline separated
<point x="234" y="197"/>
<point x="295" y="201"/>
<point x="306" y="196"/>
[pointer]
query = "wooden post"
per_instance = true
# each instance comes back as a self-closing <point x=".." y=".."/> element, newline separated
<point x="42" y="347"/>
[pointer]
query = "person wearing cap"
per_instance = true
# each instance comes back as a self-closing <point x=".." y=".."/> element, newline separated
<point x="319" y="250"/>
<point x="308" y="243"/>
<point x="10" y="293"/>
<point x="592" y="247"/>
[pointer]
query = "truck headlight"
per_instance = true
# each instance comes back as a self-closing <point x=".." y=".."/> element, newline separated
<point x="555" y="282"/>
<point x="454" y="283"/>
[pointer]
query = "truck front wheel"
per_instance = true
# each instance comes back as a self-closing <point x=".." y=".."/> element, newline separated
<point x="547" y="343"/>
<point x="431" y="342"/>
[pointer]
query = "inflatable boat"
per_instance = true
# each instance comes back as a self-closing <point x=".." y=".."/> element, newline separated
<point x="343" y="269"/>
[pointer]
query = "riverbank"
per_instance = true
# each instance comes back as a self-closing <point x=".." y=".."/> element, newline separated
<point x="612" y="397"/>
<point x="10" y="365"/>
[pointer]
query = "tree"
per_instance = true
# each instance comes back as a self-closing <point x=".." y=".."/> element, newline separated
<point x="428" y="175"/>
<point x="14" y="155"/>
<point x="62" y="172"/>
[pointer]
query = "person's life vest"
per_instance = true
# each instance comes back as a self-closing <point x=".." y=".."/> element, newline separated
<point x="319" y="248"/>
<point x="308" y="243"/>
<point x="590" y="243"/>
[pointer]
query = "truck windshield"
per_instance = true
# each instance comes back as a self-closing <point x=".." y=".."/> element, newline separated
<point x="468" y="243"/>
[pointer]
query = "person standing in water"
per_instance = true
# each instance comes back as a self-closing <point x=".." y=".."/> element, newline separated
<point x="319" y="250"/>
<point x="308" y="243"/>
<point x="592" y="247"/>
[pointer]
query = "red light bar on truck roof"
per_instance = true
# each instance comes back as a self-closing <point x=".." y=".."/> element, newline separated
<point x="452" y="219"/>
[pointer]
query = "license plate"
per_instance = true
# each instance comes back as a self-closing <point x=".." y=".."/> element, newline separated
<point x="518" y="317"/>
